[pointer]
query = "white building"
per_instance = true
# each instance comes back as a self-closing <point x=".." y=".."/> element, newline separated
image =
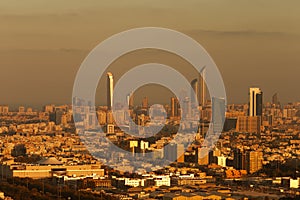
<point x="294" y="183"/>
<point x="222" y="161"/>
<point x="162" y="181"/>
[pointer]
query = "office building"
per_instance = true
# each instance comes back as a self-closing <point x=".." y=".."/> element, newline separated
<point x="130" y="101"/>
<point x="175" y="107"/>
<point x="255" y="102"/>
<point x="218" y="114"/>
<point x="254" y="161"/>
<point x="195" y="89"/>
<point x="203" y="156"/>
<point x="174" y="152"/>
<point x="186" y="108"/>
<point x="239" y="159"/>
<point x="203" y="86"/>
<point x="248" y="124"/>
<point x="110" y="90"/>
<point x="56" y="117"/>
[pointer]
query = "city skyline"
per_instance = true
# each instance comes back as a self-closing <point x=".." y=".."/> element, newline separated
<point x="250" y="50"/>
<point x="135" y="100"/>
<point x="149" y="99"/>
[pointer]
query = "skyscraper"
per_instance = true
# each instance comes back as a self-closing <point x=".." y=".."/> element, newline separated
<point x="186" y="108"/>
<point x="130" y="100"/>
<point x="110" y="90"/>
<point x="175" y="106"/>
<point x="203" y="87"/>
<point x="195" y="88"/>
<point x="254" y="161"/>
<point x="255" y="102"/>
<point x="275" y="99"/>
<point x="218" y="114"/>
<point x="239" y="160"/>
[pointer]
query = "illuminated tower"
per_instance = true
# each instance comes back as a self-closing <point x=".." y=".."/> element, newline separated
<point x="255" y="102"/>
<point x="110" y="90"/>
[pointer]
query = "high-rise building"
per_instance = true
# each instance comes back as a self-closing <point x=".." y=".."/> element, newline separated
<point x="174" y="152"/>
<point x="203" y="86"/>
<point x="175" y="106"/>
<point x="130" y="100"/>
<point x="222" y="161"/>
<point x="239" y="159"/>
<point x="254" y="161"/>
<point x="186" y="108"/>
<point x="21" y="109"/>
<point x="275" y="99"/>
<point x="56" y="117"/>
<point x="203" y="156"/>
<point x="218" y="114"/>
<point x="195" y="89"/>
<point x="255" y="102"/>
<point x="145" y="103"/>
<point x="110" y="90"/>
<point x="248" y="124"/>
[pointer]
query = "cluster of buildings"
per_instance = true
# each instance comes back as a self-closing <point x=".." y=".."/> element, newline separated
<point x="46" y="144"/>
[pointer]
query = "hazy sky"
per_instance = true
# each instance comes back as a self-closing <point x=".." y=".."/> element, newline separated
<point x="42" y="43"/>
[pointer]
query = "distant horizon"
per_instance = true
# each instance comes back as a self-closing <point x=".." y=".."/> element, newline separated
<point x="44" y="44"/>
<point x="40" y="107"/>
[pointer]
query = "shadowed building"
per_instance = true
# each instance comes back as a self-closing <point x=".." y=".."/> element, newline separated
<point x="218" y="114"/>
